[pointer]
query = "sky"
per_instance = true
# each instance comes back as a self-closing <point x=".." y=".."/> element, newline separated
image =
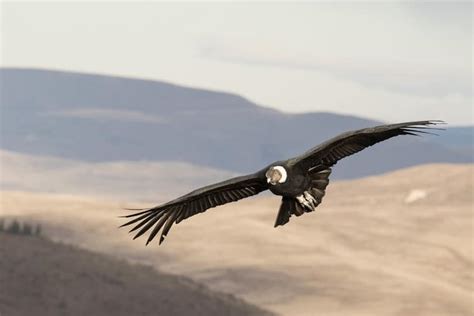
<point x="392" y="61"/>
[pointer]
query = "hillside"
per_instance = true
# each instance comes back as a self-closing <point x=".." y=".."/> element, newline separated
<point x="100" y="118"/>
<point x="394" y="244"/>
<point x="39" y="277"/>
<point x="121" y="180"/>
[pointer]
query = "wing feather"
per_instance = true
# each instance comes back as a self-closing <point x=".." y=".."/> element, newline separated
<point x="346" y="144"/>
<point x="146" y="227"/>
<point x="136" y="219"/>
<point x="158" y="226"/>
<point x="163" y="217"/>
<point x="142" y="222"/>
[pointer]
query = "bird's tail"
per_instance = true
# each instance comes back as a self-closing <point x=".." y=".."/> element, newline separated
<point x="306" y="202"/>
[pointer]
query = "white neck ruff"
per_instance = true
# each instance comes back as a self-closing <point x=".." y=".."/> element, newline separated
<point x="284" y="174"/>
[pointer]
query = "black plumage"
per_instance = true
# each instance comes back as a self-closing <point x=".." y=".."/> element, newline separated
<point x="301" y="181"/>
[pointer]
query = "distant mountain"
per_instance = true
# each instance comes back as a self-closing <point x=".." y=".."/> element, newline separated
<point x="460" y="139"/>
<point x="40" y="277"/>
<point x="103" y="118"/>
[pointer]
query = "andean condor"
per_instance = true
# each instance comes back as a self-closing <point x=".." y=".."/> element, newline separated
<point x="301" y="181"/>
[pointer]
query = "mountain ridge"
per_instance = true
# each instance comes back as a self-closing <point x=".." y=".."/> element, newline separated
<point x="103" y="118"/>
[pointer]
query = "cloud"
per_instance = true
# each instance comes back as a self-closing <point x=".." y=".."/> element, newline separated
<point x="403" y="77"/>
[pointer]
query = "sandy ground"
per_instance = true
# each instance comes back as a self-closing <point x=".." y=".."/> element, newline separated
<point x="395" y="244"/>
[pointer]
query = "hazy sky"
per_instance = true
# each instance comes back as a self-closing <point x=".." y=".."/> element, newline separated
<point x="389" y="61"/>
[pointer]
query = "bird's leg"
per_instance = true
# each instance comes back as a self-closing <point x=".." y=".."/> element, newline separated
<point x="303" y="201"/>
<point x="311" y="200"/>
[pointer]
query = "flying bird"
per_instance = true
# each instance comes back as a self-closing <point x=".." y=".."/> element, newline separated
<point x="300" y="181"/>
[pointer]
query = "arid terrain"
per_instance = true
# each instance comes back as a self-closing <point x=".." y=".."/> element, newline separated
<point x="40" y="277"/>
<point x="395" y="244"/>
<point x="118" y="180"/>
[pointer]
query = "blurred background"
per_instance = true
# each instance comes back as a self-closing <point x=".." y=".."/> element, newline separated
<point x="109" y="105"/>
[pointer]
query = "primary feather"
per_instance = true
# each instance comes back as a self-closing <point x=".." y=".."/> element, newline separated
<point x="193" y="203"/>
<point x="314" y="166"/>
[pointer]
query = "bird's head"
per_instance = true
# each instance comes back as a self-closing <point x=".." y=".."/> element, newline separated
<point x="276" y="174"/>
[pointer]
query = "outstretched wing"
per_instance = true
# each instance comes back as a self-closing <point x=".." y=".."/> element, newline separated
<point x="165" y="215"/>
<point x="346" y="144"/>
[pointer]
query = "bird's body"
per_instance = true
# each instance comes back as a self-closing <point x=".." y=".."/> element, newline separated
<point x="301" y="181"/>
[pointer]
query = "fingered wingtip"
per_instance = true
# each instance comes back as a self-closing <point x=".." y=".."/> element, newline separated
<point x="128" y="215"/>
<point x="140" y="212"/>
<point x="149" y="240"/>
<point x="423" y="127"/>
<point x="437" y="122"/>
<point x="136" y="236"/>
<point x="418" y="130"/>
